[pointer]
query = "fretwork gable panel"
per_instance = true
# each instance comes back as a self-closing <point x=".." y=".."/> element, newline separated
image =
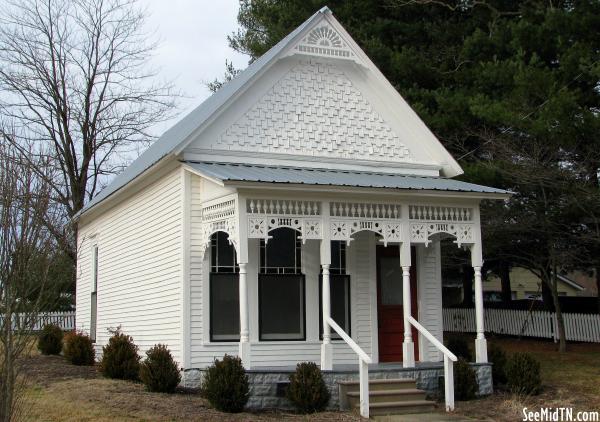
<point x="315" y="110"/>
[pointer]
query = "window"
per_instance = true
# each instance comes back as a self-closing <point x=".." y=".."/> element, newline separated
<point x="339" y="290"/>
<point x="282" y="253"/>
<point x="224" y="290"/>
<point x="281" y="288"/>
<point x="94" y="295"/>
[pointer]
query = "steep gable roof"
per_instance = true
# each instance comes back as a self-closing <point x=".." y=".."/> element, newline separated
<point x="306" y="39"/>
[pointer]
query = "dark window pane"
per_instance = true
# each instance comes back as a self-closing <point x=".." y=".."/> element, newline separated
<point x="223" y="257"/>
<point x="224" y="307"/>
<point x="281" y="249"/>
<point x="339" y="287"/>
<point x="390" y="281"/>
<point x="281" y="254"/>
<point x="281" y="307"/>
<point x="338" y="257"/>
<point x="94" y="305"/>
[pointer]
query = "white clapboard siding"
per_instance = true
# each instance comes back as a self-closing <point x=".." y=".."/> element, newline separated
<point x="196" y="305"/>
<point x="542" y="324"/>
<point x="140" y="266"/>
<point x="429" y="287"/>
<point x="361" y="267"/>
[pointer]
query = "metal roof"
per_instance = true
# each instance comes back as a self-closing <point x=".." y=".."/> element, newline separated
<point x="328" y="177"/>
<point x="177" y="134"/>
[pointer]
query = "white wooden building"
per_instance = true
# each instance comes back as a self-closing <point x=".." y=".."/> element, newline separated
<point x="304" y="198"/>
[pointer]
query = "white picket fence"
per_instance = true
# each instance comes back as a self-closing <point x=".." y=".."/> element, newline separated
<point x="578" y="327"/>
<point x="65" y="320"/>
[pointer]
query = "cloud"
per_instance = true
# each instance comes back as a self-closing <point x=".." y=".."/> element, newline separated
<point x="193" y="46"/>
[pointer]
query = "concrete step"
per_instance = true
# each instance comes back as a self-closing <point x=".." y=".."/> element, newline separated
<point x="380" y="396"/>
<point x="399" y="407"/>
<point x="378" y="385"/>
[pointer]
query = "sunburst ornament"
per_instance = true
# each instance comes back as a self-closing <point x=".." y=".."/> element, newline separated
<point x="325" y="37"/>
<point x="324" y="41"/>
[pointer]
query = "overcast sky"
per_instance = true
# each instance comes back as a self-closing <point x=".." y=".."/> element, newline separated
<point x="193" y="45"/>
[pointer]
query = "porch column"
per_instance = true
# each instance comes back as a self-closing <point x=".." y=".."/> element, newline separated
<point x="325" y="252"/>
<point x="408" y="346"/>
<point x="242" y="257"/>
<point x="477" y="262"/>
<point x="244" y="351"/>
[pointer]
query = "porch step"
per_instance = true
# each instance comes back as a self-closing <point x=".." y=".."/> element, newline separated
<point x="387" y="397"/>
<point x="379" y="385"/>
<point x="400" y="407"/>
<point x="382" y="396"/>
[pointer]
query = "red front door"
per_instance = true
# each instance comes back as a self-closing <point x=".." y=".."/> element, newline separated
<point x="389" y="303"/>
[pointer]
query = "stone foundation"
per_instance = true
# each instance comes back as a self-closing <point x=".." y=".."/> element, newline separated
<point x="265" y="393"/>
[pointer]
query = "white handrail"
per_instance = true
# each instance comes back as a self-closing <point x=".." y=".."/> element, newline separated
<point x="449" y="358"/>
<point x="363" y="367"/>
<point x="438" y="344"/>
<point x="360" y="352"/>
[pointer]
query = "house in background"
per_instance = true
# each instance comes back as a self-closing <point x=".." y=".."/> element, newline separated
<point x="296" y="215"/>
<point x="526" y="285"/>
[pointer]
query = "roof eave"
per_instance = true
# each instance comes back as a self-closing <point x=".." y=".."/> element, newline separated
<point x="243" y="184"/>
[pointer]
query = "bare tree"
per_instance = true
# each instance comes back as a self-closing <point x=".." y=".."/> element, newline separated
<point x="75" y="77"/>
<point x="25" y="250"/>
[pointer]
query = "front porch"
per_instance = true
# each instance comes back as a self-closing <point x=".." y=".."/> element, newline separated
<point x="347" y="279"/>
<point x="267" y="384"/>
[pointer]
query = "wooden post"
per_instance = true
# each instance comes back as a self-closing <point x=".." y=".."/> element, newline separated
<point x="477" y="263"/>
<point x="363" y="376"/>
<point x="408" y="347"/>
<point x="242" y="257"/>
<point x="449" y="383"/>
<point x="325" y="252"/>
<point x="244" y="351"/>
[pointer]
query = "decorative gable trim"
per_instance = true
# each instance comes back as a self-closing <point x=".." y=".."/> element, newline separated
<point x="324" y="41"/>
<point x="315" y="110"/>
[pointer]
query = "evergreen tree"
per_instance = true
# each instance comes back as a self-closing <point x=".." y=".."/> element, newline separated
<point x="511" y="88"/>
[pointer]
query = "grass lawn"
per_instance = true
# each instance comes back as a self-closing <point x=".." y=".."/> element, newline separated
<point x="58" y="391"/>
<point x="571" y="379"/>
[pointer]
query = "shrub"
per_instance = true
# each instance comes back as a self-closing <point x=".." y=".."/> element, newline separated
<point x="465" y="380"/>
<point x="523" y="374"/>
<point x="159" y="372"/>
<point x="120" y="358"/>
<point x="78" y="349"/>
<point x="460" y="347"/>
<point x="307" y="390"/>
<point x="225" y="385"/>
<point x="50" y="340"/>
<point x="497" y="357"/>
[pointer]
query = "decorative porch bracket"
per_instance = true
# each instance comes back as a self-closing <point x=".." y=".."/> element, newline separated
<point x="427" y="220"/>
<point x="219" y="215"/>
<point x="266" y="215"/>
<point x="349" y="218"/>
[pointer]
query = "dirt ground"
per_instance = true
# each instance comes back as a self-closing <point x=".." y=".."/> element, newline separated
<point x="58" y="391"/>
<point x="571" y="379"/>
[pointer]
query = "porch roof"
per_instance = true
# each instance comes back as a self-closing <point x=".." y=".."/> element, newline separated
<point x="231" y="172"/>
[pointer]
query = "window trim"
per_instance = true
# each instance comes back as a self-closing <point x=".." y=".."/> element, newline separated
<point x="260" y="322"/>
<point x="335" y="336"/>
<point x="94" y="294"/>
<point x="210" y="308"/>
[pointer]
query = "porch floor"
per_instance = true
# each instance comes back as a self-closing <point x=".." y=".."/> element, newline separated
<point x="353" y="368"/>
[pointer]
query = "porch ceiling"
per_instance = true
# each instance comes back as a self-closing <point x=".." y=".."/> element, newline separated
<point x="327" y="177"/>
